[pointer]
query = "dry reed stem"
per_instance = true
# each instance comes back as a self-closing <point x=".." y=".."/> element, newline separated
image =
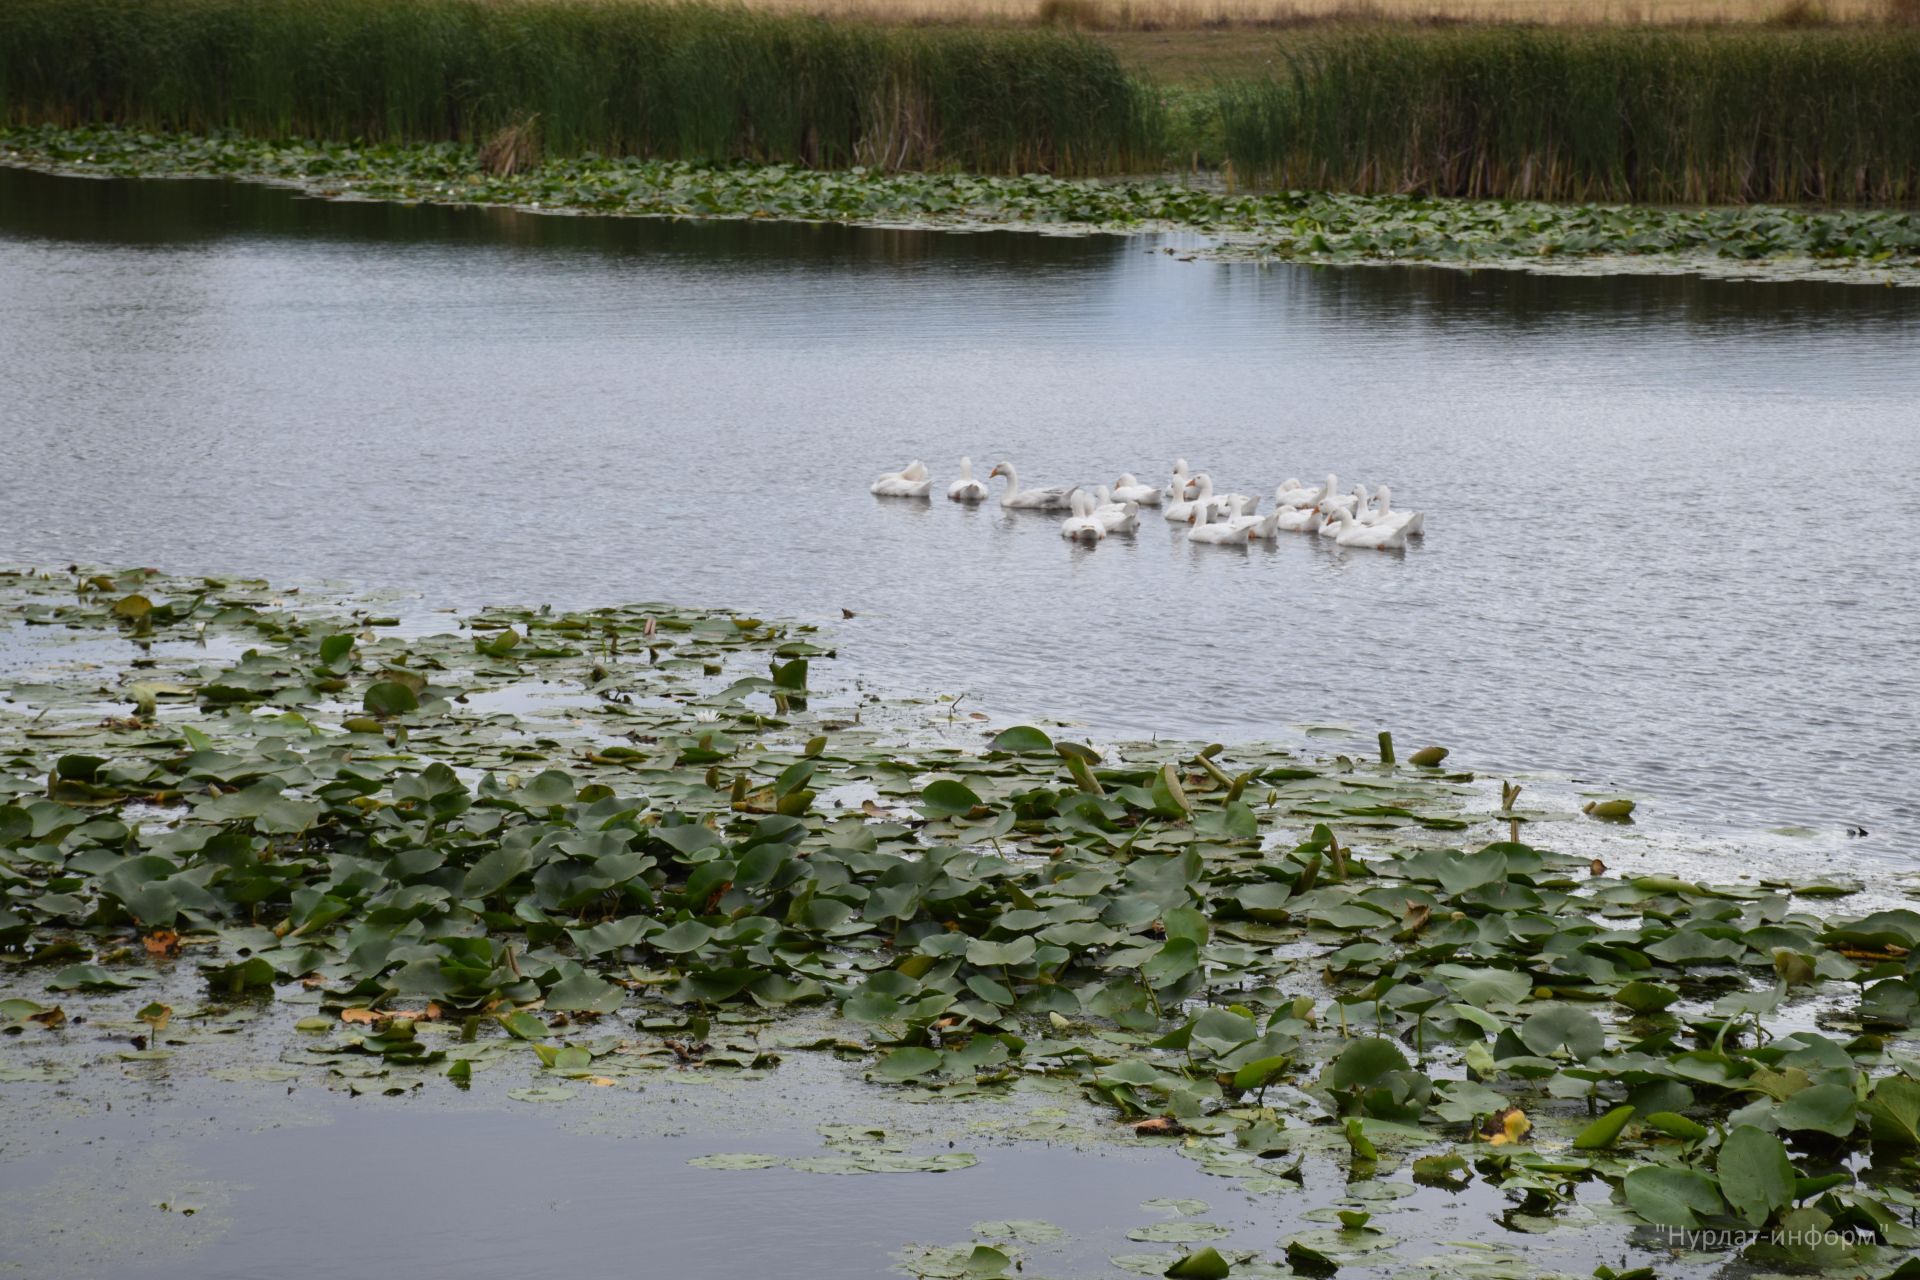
<point x="514" y="149"/>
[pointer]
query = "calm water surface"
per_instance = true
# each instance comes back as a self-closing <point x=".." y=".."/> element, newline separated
<point x="1671" y="521"/>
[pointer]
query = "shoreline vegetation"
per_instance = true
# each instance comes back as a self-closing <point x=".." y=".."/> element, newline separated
<point x="1880" y="246"/>
<point x="1800" y="110"/>
<point x="539" y="852"/>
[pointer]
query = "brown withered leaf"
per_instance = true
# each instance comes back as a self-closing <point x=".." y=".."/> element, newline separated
<point x="371" y="1016"/>
<point x="1160" y="1127"/>
<point x="162" y="944"/>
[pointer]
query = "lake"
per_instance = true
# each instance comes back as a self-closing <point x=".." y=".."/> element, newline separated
<point x="1669" y="518"/>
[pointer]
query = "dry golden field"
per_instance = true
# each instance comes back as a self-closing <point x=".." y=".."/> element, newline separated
<point x="1162" y="15"/>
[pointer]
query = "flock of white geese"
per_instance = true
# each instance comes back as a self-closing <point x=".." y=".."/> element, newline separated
<point x="1355" y="518"/>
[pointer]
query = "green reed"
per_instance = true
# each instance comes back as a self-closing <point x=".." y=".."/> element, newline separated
<point x="624" y="77"/>
<point x="1722" y="116"/>
<point x="1661" y="115"/>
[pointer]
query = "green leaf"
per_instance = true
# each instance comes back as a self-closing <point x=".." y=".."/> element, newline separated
<point x="1306" y="1260"/>
<point x="389" y="698"/>
<point x="496" y="870"/>
<point x="1450" y="1170"/>
<point x="1563" y="1026"/>
<point x="1203" y="1264"/>
<point x="523" y="1025"/>
<point x="985" y="1260"/>
<point x="86" y="977"/>
<point x="737" y="1160"/>
<point x="1485" y="986"/>
<point x="1605" y="1131"/>
<point x="794" y="777"/>
<point x="947" y="797"/>
<point x="1755" y="1175"/>
<point x="1894" y="1109"/>
<point x="1672" y="1197"/>
<point x="1675" y="1125"/>
<point x="1185" y="922"/>
<point x="908" y="1064"/>
<point x="1363" y="1063"/>
<point x="1222" y="1031"/>
<point x="1824" y="1108"/>
<point x="1169" y="797"/>
<point x="1259" y="1072"/>
<point x="585" y="991"/>
<point x="683" y="938"/>
<point x="1023" y="739"/>
<point x="549" y="788"/>
<point x="1174" y="961"/>
<point x="1645" y="997"/>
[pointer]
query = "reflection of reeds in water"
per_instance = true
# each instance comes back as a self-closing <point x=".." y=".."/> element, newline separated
<point x="1564" y="114"/>
<point x="612" y="76"/>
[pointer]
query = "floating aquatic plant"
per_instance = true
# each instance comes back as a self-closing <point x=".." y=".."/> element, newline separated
<point x="1244" y="952"/>
<point x="1849" y="244"/>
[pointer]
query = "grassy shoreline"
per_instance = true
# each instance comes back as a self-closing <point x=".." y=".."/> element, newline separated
<point x="1861" y="245"/>
<point x="570" y="849"/>
<point x="1746" y="114"/>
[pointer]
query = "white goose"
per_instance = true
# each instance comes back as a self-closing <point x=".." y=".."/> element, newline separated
<point x="1328" y="496"/>
<point x="1297" y="519"/>
<point x="1180" y="510"/>
<point x="909" y="482"/>
<point x="1211" y="503"/>
<point x="1414" y="522"/>
<point x="1183" y="486"/>
<point x="1053" y="499"/>
<point x="1292" y="493"/>
<point x="1129" y="489"/>
<point x="1221" y="528"/>
<point x="966" y="488"/>
<point x="1118" y="517"/>
<point x="1083" y="525"/>
<point x="1351" y="533"/>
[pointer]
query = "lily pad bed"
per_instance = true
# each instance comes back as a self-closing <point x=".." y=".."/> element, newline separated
<point x="1333" y="982"/>
<point x="1880" y="246"/>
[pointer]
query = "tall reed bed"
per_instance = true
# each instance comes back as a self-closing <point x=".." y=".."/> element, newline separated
<point x="624" y="77"/>
<point x="1644" y="115"/>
